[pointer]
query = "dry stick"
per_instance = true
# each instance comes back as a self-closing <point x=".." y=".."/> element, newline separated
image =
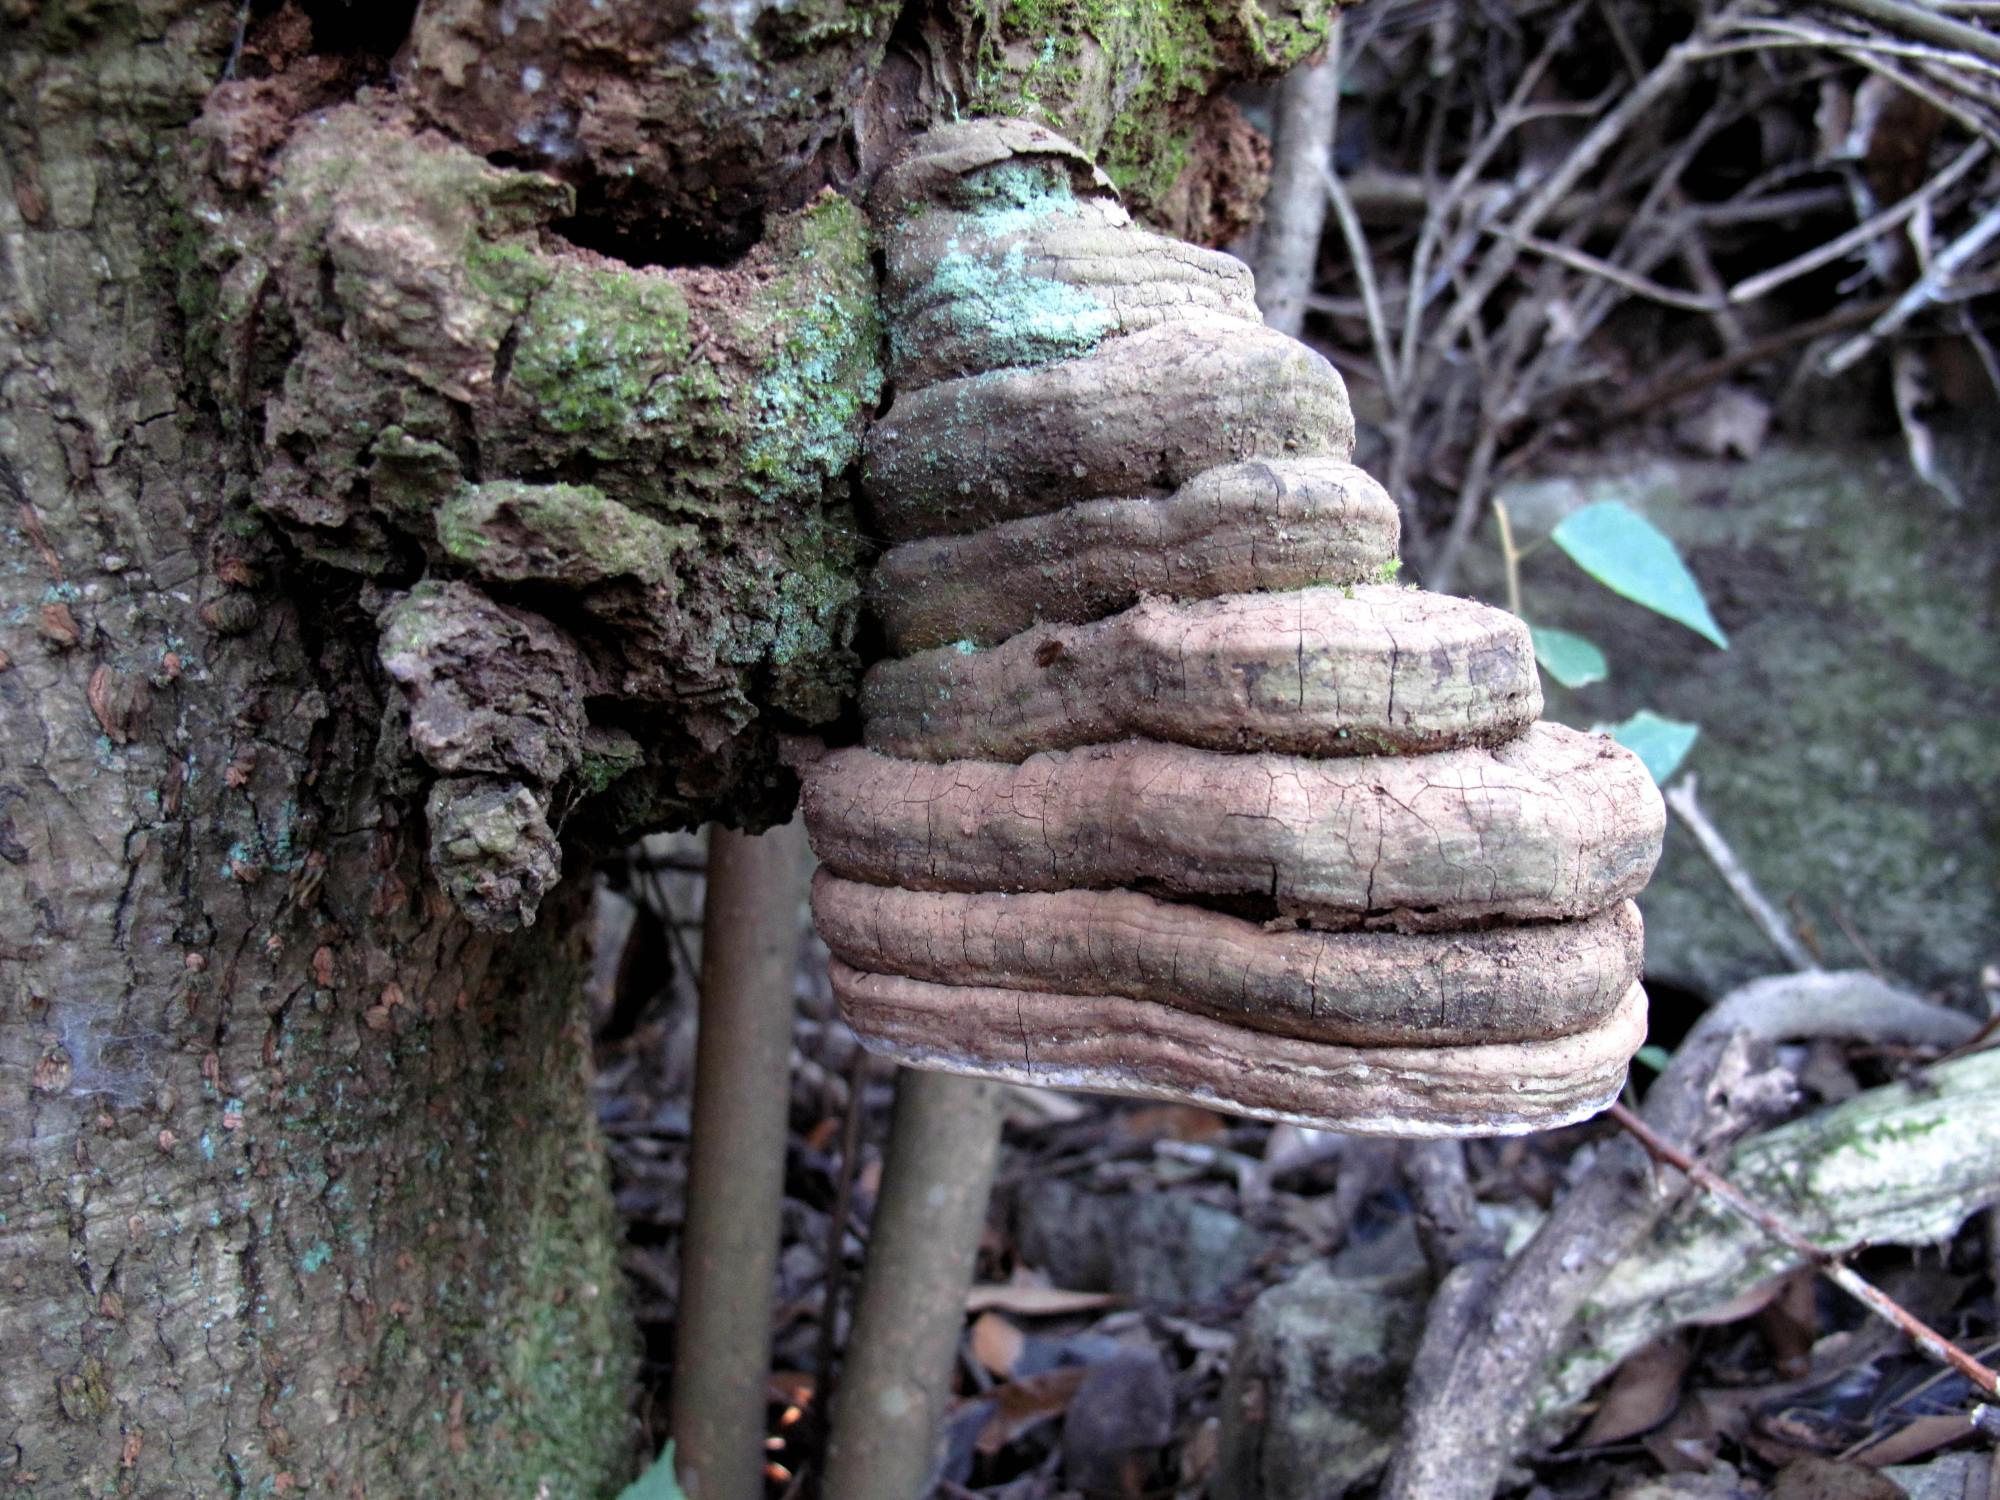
<point x="1924" y="25"/>
<point x="1356" y="240"/>
<point x="1558" y="185"/>
<point x="935" y="1183"/>
<point x="1928" y="288"/>
<point x="1492" y="1329"/>
<point x="1444" y="204"/>
<point x="1681" y="798"/>
<point x="736" y="1171"/>
<point x="837" y="1230"/>
<point x="1753" y="287"/>
<point x="1885" y="1307"/>
<point x="1649" y="398"/>
<point x="1631" y="281"/>
<point x="1294" y="210"/>
<point x="1692" y="249"/>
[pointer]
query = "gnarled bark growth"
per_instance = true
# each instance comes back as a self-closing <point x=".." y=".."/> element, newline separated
<point x="1141" y="698"/>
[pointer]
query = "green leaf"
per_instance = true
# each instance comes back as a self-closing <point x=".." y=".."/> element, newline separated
<point x="1661" y="743"/>
<point x="1650" y="1056"/>
<point x="658" y="1482"/>
<point x="1568" y="657"/>
<point x="1629" y="555"/>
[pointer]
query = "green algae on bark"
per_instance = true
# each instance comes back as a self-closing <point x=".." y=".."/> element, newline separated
<point x="1127" y="79"/>
<point x="454" y="388"/>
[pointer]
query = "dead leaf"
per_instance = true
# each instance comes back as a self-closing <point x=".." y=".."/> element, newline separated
<point x="1790" y="1322"/>
<point x="1173" y="1122"/>
<point x="790" y="1388"/>
<point x="1121" y="1416"/>
<point x="1911" y="385"/>
<point x="1828" y="1479"/>
<point x="59" y="626"/>
<point x="1022" y="1404"/>
<point x="1732" y="423"/>
<point x="1643" y="1393"/>
<point x="1199" y="1454"/>
<point x="1035" y="1301"/>
<point x="1920" y="1436"/>
<point x="996" y="1343"/>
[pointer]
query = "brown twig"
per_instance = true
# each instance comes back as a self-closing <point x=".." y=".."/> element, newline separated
<point x="935" y="1182"/>
<point x="1681" y="798"/>
<point x="736" y="1169"/>
<point x="1295" y="208"/>
<point x="1925" y="26"/>
<point x="1878" y="1302"/>
<point x="1945" y="265"/>
<point x="837" y="1229"/>
<point x="1872" y="228"/>
<point x="1650" y="397"/>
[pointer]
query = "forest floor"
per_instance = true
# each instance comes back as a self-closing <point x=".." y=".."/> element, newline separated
<point x="1126" y="1242"/>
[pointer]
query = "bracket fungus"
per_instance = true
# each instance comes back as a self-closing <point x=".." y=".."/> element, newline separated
<point x="1166" y="790"/>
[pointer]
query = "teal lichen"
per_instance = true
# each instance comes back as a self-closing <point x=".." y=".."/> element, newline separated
<point x="814" y="392"/>
<point x="1017" y="317"/>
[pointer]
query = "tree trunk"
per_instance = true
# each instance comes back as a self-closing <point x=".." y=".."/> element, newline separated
<point x="299" y="1189"/>
<point x="395" y="483"/>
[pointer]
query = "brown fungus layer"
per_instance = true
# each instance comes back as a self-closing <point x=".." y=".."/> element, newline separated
<point x="1261" y="524"/>
<point x="1554" y="824"/>
<point x="1316" y="671"/>
<point x="1155" y="1051"/>
<point x="1151" y="676"/>
<point x="1493" y="984"/>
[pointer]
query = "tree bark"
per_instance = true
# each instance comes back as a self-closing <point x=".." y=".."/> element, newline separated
<point x="397" y="502"/>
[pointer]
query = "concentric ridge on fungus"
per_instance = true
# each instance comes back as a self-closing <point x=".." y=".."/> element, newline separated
<point x="1153" y="686"/>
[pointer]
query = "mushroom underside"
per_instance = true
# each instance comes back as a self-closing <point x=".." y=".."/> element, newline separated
<point x="1144" y="1050"/>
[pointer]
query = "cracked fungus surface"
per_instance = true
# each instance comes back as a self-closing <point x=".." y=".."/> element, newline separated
<point x="1166" y="790"/>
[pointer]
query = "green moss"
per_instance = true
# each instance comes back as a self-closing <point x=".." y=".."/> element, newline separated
<point x="1120" y="76"/>
<point x="507" y="271"/>
<point x="568" y="533"/>
<point x="603" y="353"/>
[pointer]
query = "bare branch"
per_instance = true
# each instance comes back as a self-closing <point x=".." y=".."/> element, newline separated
<point x="1753" y="287"/>
<point x="1929" y="288"/>
<point x="1681" y="798"/>
<point x="1883" y="1306"/>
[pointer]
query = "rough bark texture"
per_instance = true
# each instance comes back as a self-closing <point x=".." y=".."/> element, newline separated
<point x="389" y="484"/>
<point x="266" y="1221"/>
<point x="1499" y="984"/>
<point x="1316" y="671"/>
<point x="1554" y="824"/>
<point x="1156" y="1051"/>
